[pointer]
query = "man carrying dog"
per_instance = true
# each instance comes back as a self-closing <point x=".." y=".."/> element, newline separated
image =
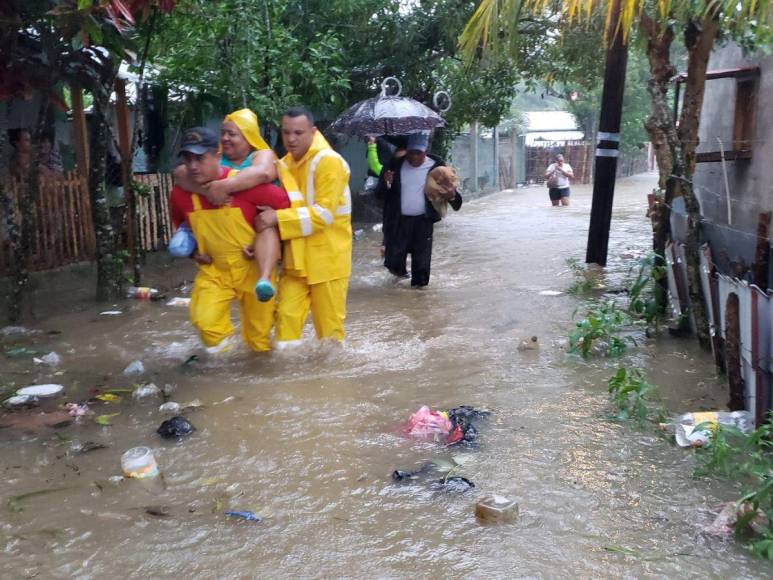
<point x="409" y="216"/>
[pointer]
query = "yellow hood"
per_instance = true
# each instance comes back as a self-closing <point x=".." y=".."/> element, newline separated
<point x="247" y="121"/>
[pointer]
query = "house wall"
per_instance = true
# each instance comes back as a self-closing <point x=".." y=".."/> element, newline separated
<point x="750" y="181"/>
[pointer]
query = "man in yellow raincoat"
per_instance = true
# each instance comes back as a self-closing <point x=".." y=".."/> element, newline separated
<point x="222" y="233"/>
<point x="316" y="232"/>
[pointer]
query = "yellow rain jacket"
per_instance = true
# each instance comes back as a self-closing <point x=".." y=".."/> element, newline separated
<point x="317" y="227"/>
<point x="316" y="232"/>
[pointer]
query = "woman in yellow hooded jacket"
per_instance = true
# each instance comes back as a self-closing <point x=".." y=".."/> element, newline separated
<point x="252" y="162"/>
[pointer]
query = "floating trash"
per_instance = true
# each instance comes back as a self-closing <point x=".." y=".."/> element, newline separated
<point x="139" y="463"/>
<point x="42" y="391"/>
<point x="455" y="483"/>
<point x="179" y="301"/>
<point x="146" y="391"/>
<point x="496" y="509"/>
<point x="77" y="409"/>
<point x="135" y="368"/>
<point x="170" y="408"/>
<point x="20" y="401"/>
<point x="378" y="228"/>
<point x="176" y="428"/>
<point x="249" y="516"/>
<point x="550" y="293"/>
<point x="531" y="343"/>
<point x="51" y="359"/>
<point x="111" y="313"/>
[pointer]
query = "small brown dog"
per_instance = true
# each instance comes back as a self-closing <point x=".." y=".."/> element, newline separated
<point x="441" y="186"/>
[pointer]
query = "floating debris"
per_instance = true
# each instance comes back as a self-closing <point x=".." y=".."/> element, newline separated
<point x="531" y="343"/>
<point x="146" y="391"/>
<point x="550" y="293"/>
<point x="135" y="368"/>
<point x="111" y="313"/>
<point x="249" y="516"/>
<point x="51" y="359"/>
<point x="176" y="428"/>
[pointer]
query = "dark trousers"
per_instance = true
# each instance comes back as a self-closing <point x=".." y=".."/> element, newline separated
<point x="413" y="236"/>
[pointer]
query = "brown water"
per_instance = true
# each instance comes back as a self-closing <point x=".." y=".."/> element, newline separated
<point x="312" y="435"/>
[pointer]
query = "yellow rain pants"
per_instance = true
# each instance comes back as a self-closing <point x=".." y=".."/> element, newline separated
<point x="222" y="234"/>
<point x="316" y="235"/>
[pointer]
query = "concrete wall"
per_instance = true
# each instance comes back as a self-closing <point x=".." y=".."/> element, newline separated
<point x="750" y="181"/>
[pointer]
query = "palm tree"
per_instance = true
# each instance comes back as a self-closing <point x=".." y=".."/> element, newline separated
<point x="494" y="27"/>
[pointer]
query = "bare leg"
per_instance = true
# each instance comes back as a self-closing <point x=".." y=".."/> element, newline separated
<point x="554" y="202"/>
<point x="565" y="200"/>
<point x="267" y="250"/>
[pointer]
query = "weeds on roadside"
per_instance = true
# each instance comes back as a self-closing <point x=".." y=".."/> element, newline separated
<point x="600" y="325"/>
<point x="642" y="301"/>
<point x="629" y="391"/>
<point x="749" y="459"/>
<point x="585" y="281"/>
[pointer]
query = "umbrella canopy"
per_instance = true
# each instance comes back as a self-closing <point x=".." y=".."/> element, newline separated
<point x="387" y="115"/>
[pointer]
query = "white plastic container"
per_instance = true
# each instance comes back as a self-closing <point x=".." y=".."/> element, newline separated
<point x="139" y="463"/>
<point x="496" y="509"/>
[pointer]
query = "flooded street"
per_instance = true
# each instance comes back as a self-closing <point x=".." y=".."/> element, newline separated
<point x="310" y="436"/>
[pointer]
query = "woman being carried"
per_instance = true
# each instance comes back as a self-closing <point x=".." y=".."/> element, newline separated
<point x="252" y="162"/>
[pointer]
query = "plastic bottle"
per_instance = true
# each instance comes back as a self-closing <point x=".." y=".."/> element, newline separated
<point x="144" y="293"/>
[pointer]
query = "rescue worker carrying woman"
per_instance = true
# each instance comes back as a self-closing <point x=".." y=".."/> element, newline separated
<point x="316" y="232"/>
<point x="252" y="162"/>
<point x="222" y="233"/>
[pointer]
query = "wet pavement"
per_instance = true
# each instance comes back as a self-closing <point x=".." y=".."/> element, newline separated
<point x="308" y="438"/>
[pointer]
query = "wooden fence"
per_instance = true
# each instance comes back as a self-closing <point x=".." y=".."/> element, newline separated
<point x="64" y="230"/>
<point x="154" y="221"/>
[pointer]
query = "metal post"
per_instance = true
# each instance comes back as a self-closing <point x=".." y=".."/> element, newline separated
<point x="495" y="181"/>
<point x="608" y="141"/>
<point x="474" y="154"/>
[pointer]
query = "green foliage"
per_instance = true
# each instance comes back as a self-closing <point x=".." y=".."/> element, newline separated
<point x="238" y="53"/>
<point x="585" y="281"/>
<point x="600" y="325"/>
<point x="629" y="391"/>
<point x="747" y="459"/>
<point x="642" y="301"/>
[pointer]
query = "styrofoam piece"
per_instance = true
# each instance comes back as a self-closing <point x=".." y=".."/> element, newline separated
<point x="47" y="390"/>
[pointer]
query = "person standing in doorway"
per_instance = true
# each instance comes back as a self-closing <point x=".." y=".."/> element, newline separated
<point x="409" y="217"/>
<point x="557" y="177"/>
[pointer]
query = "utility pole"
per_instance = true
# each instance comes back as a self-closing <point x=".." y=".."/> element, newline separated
<point x="608" y="147"/>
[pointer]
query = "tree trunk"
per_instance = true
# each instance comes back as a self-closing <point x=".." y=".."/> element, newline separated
<point x="699" y="40"/>
<point x="8" y="209"/>
<point x="28" y="196"/>
<point x="662" y="132"/>
<point x="109" y="263"/>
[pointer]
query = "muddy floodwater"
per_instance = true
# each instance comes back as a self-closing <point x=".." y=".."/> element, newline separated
<point x="308" y="438"/>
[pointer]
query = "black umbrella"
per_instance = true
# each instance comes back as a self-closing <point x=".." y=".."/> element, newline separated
<point x="387" y="115"/>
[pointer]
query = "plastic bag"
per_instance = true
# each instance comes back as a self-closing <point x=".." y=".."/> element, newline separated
<point x="182" y="244"/>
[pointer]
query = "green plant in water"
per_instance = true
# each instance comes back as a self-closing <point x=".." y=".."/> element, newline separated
<point x="585" y="281"/>
<point x="602" y="321"/>
<point x="748" y="459"/>
<point x="642" y="302"/>
<point x="629" y="390"/>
